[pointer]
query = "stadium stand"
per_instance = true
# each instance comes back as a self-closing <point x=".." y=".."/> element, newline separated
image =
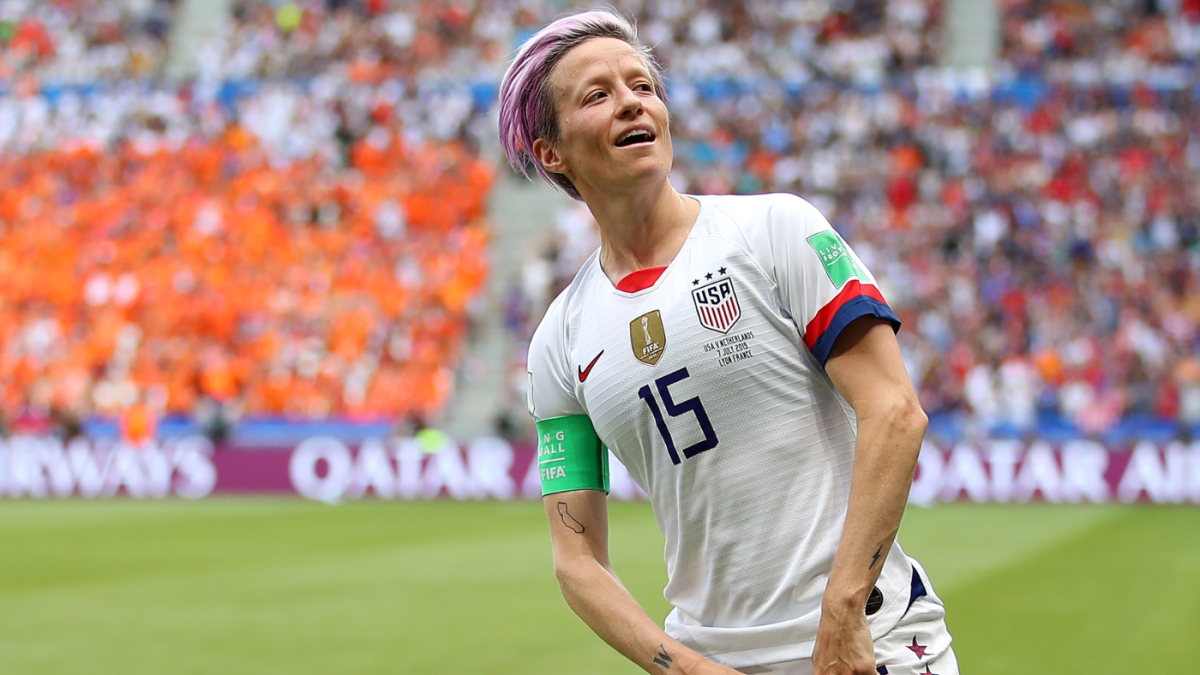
<point x="1035" y="229"/>
<point x="272" y="247"/>
<point x="207" y="271"/>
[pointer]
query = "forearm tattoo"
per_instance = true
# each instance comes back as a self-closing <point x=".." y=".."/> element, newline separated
<point x="662" y="658"/>
<point x="875" y="558"/>
<point x="569" y="520"/>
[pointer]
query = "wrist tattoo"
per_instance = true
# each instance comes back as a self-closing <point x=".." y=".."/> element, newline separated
<point x="875" y="558"/>
<point x="663" y="658"/>
<point x="569" y="520"/>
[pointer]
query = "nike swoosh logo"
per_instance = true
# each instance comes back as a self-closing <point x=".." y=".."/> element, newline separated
<point x="584" y="372"/>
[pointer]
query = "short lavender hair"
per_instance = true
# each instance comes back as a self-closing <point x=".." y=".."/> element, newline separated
<point x="527" y="103"/>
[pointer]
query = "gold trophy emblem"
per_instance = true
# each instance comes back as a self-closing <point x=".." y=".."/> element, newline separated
<point x="647" y="337"/>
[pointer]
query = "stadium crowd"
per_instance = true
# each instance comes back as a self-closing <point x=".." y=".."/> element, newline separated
<point x="1035" y="227"/>
<point x="296" y="248"/>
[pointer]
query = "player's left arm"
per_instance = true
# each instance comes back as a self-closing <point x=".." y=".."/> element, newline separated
<point x="867" y="369"/>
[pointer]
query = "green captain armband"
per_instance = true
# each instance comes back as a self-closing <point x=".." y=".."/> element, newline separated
<point x="570" y="455"/>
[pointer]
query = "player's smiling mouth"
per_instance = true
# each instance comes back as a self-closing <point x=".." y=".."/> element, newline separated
<point x="640" y="135"/>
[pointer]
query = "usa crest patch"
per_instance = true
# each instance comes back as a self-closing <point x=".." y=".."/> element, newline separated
<point x="717" y="305"/>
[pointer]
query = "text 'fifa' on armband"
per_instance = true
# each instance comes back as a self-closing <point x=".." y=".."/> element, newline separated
<point x="570" y="455"/>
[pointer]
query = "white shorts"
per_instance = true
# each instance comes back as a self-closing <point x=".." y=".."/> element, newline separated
<point x="918" y="645"/>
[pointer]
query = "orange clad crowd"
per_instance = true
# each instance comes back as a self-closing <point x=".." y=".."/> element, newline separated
<point x="139" y="281"/>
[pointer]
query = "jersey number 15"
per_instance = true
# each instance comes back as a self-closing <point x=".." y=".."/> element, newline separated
<point x="692" y="405"/>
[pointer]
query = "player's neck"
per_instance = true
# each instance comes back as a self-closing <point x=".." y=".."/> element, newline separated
<point x="642" y="230"/>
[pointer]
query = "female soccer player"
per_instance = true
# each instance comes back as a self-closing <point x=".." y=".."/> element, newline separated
<point x="740" y="361"/>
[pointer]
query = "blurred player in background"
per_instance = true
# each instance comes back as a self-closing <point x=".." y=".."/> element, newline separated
<point x="740" y="361"/>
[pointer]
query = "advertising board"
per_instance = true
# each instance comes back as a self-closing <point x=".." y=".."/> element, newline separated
<point x="327" y="469"/>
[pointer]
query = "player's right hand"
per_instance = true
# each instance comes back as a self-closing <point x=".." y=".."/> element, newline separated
<point x="843" y="645"/>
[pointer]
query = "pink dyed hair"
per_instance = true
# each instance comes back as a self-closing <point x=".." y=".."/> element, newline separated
<point x="527" y="106"/>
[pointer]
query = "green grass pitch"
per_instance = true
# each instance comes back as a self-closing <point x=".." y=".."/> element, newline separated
<point x="274" y="586"/>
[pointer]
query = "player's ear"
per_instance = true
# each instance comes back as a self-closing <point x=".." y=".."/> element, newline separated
<point x="546" y="154"/>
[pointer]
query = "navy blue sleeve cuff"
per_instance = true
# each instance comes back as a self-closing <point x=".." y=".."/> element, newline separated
<point x="857" y="307"/>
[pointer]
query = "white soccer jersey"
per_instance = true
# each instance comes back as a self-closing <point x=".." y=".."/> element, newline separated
<point x="710" y="387"/>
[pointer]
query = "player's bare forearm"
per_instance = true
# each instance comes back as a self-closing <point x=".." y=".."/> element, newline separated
<point x="595" y="594"/>
<point x="878" y="493"/>
<point x="579" y="534"/>
<point x="885" y="455"/>
<point x="868" y="371"/>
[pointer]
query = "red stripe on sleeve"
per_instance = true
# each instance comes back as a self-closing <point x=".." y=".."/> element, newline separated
<point x="820" y="323"/>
